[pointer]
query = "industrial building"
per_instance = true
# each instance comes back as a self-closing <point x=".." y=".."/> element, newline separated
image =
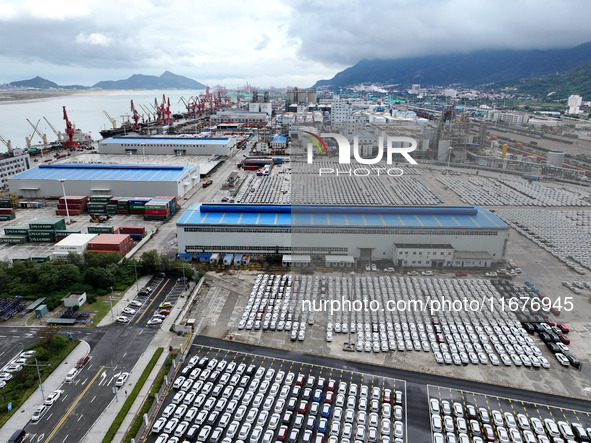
<point x="237" y="116"/>
<point x="414" y="236"/>
<point x="11" y="163"/>
<point x="167" y="146"/>
<point x="50" y="181"/>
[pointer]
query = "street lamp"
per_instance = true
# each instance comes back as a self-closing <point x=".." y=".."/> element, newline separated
<point x="39" y="375"/>
<point x="448" y="156"/>
<point x="62" y="180"/>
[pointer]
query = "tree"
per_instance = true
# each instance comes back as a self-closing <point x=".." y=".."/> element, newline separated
<point x="150" y="261"/>
<point x="99" y="278"/>
<point x="47" y="333"/>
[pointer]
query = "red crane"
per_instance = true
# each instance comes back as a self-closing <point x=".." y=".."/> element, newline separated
<point x="136" y="118"/>
<point x="70" y="143"/>
<point x="168" y="119"/>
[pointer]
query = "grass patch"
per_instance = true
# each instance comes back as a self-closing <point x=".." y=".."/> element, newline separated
<point x="132" y="396"/>
<point x="137" y="422"/>
<point x="24" y="383"/>
<point x="99" y="310"/>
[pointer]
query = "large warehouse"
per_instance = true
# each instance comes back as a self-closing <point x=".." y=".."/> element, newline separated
<point x="413" y="236"/>
<point x="167" y="146"/>
<point x="46" y="181"/>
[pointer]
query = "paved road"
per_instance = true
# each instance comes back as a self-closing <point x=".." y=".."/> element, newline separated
<point x="13" y="340"/>
<point x="114" y="349"/>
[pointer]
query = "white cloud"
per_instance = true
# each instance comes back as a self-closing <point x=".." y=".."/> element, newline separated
<point x="94" y="38"/>
<point x="284" y="42"/>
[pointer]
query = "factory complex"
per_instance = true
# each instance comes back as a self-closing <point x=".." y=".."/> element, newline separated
<point x="417" y="236"/>
<point x="49" y="181"/>
<point x="167" y="146"/>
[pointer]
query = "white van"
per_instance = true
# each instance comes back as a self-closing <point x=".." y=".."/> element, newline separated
<point x="71" y="375"/>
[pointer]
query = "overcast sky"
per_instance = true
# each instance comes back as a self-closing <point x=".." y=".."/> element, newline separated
<point x="264" y="42"/>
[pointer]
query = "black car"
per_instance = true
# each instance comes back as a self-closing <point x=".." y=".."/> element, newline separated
<point x="529" y="328"/>
<point x="574" y="361"/>
<point x="545" y="337"/>
<point x="553" y="347"/>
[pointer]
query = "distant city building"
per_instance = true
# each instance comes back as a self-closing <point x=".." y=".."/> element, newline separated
<point x="297" y="95"/>
<point x="236" y="116"/>
<point x="510" y="118"/>
<point x="574" y="103"/>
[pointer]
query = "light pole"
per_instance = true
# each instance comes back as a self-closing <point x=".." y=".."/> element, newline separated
<point x="39" y="375"/>
<point x="137" y="286"/>
<point x="448" y="157"/>
<point x="62" y="181"/>
<point x="111" y="302"/>
<point x="348" y="346"/>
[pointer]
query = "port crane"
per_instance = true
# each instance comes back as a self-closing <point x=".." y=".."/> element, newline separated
<point x="30" y="137"/>
<point x="136" y="117"/>
<point x="36" y="131"/>
<point x="57" y="134"/>
<point x="6" y="143"/>
<point x="111" y="119"/>
<point x="70" y="143"/>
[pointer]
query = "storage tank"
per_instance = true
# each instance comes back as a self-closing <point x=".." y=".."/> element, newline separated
<point x="555" y="159"/>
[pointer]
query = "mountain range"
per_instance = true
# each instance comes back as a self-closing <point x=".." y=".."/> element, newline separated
<point x="167" y="80"/>
<point x="474" y="68"/>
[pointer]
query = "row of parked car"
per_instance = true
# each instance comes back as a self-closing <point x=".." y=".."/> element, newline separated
<point x="222" y="401"/>
<point x="455" y="422"/>
<point x="130" y="310"/>
<point x="15" y="365"/>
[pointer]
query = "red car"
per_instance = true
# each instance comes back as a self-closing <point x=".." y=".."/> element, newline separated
<point x="207" y="183"/>
<point x="387" y="398"/>
<point x="164" y="312"/>
<point x="554" y="311"/>
<point x="282" y="434"/>
<point x="301" y="379"/>
<point x="82" y="362"/>
<point x="303" y="407"/>
<point x="461" y="274"/>
<point x="550" y="322"/>
<point x="329" y="397"/>
<point x="563" y="328"/>
<point x="331" y="385"/>
<point x="564" y="339"/>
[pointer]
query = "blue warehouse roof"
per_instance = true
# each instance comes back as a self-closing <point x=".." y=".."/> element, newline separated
<point x="73" y="171"/>
<point x="149" y="141"/>
<point x="211" y="214"/>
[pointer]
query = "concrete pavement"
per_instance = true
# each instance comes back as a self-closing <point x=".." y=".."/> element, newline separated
<point x="21" y="417"/>
<point x="129" y="295"/>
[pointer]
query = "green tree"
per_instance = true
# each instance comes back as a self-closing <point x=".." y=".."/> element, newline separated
<point x="99" y="278"/>
<point x="150" y="261"/>
<point x="47" y="333"/>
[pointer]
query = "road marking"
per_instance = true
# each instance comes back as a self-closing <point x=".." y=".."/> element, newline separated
<point x="84" y="382"/>
<point x="61" y="422"/>
<point x="40" y="437"/>
<point x="49" y="416"/>
<point x="153" y="300"/>
<point x="93" y="399"/>
<point x="81" y="415"/>
<point x="65" y="438"/>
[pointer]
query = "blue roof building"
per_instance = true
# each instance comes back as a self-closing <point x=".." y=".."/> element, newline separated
<point x="364" y="232"/>
<point x="167" y="145"/>
<point x="45" y="181"/>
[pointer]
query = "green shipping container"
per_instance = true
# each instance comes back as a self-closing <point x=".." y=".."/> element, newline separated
<point x="15" y="259"/>
<point x="49" y="224"/>
<point x="13" y="239"/>
<point x="137" y="207"/>
<point x="101" y="229"/>
<point x="16" y="230"/>
<point x="5" y="217"/>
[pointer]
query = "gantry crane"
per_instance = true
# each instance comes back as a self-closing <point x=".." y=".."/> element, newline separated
<point x="57" y="134"/>
<point x="70" y="143"/>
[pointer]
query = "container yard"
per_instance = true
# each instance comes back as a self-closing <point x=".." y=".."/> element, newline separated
<point x="118" y="243"/>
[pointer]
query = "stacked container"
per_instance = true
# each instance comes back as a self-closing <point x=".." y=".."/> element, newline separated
<point x="98" y="204"/>
<point x="7" y="214"/>
<point x="118" y="243"/>
<point x="5" y="202"/>
<point x="60" y="235"/>
<point x="43" y="230"/>
<point x="123" y="205"/>
<point x="72" y="205"/>
<point x="137" y="205"/>
<point x="15" y="234"/>
<point x="136" y="232"/>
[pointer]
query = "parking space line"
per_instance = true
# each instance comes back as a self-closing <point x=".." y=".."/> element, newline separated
<point x="153" y="300"/>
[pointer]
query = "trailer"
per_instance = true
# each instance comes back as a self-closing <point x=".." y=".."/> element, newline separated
<point x="228" y="259"/>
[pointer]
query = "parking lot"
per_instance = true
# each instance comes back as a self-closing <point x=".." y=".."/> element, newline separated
<point x="472" y="417"/>
<point x="221" y="395"/>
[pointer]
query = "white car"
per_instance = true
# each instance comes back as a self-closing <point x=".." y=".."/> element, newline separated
<point x="154" y="321"/>
<point x="490" y="274"/>
<point x="129" y="311"/>
<point x="136" y="303"/>
<point x="426" y="272"/>
<point x="39" y="412"/>
<point x="52" y="398"/>
<point x="123" y="319"/>
<point x="28" y="354"/>
<point x="13" y="368"/>
<point x="122" y="379"/>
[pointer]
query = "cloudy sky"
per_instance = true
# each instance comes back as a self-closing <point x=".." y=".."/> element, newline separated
<point x="264" y="42"/>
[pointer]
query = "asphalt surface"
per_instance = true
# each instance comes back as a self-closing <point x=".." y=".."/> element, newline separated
<point x="114" y="349"/>
<point x="13" y="340"/>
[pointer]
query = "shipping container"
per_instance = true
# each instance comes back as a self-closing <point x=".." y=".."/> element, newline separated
<point x="6" y="211"/>
<point x="48" y="224"/>
<point x="6" y="217"/>
<point x="13" y="239"/>
<point x="16" y="230"/>
<point x="132" y="230"/>
<point x="15" y="259"/>
<point x="101" y="229"/>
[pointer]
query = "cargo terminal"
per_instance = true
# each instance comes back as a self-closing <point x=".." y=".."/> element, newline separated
<point x="178" y="146"/>
<point x="417" y="236"/>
